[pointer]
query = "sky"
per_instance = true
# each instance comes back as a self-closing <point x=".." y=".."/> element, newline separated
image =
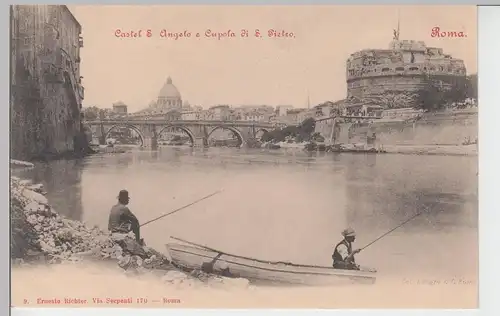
<point x="273" y="71"/>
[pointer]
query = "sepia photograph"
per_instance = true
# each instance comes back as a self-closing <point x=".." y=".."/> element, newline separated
<point x="223" y="156"/>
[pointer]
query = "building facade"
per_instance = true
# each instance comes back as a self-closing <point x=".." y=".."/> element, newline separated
<point x="46" y="87"/>
<point x="120" y="108"/>
<point x="190" y="115"/>
<point x="220" y="112"/>
<point x="281" y="110"/>
<point x="399" y="71"/>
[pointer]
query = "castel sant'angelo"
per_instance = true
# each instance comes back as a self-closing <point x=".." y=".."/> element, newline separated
<point x="399" y="71"/>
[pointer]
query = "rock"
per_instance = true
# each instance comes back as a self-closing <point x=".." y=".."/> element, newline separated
<point x="130" y="245"/>
<point x="73" y="258"/>
<point x="32" y="219"/>
<point x="38" y="188"/>
<point x="48" y="248"/>
<point x="118" y="237"/>
<point x="100" y="239"/>
<point x="66" y="234"/>
<point x="116" y="255"/>
<point x="55" y="260"/>
<point x="131" y="263"/>
<point x="21" y="163"/>
<point x="25" y="182"/>
<point x="34" y="196"/>
<point x="174" y="277"/>
<point x="32" y="207"/>
<point x="69" y="223"/>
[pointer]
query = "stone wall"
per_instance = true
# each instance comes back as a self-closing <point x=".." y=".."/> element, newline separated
<point x="46" y="94"/>
<point x="432" y="129"/>
<point x="445" y="128"/>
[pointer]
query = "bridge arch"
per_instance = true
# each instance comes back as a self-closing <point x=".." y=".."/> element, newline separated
<point x="130" y="126"/>
<point x="182" y="128"/>
<point x="236" y="132"/>
<point x="261" y="130"/>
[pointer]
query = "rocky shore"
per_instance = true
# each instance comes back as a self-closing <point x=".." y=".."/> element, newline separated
<point x="441" y="150"/>
<point x="41" y="236"/>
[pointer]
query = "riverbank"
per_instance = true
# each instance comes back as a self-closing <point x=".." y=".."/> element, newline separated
<point x="106" y="149"/>
<point x="441" y="150"/>
<point x="40" y="236"/>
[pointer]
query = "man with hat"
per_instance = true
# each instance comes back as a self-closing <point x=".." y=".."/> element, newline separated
<point x="343" y="255"/>
<point x="122" y="220"/>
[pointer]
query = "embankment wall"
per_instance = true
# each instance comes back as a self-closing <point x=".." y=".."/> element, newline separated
<point x="444" y="128"/>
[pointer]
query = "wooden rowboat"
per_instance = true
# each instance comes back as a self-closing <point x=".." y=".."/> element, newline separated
<point x="198" y="257"/>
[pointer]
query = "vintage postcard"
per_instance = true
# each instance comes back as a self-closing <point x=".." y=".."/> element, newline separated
<point x="244" y="156"/>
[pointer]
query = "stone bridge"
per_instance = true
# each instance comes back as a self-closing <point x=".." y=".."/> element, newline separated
<point x="198" y="131"/>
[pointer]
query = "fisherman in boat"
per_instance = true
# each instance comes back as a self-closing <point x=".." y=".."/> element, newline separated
<point x="343" y="255"/>
<point x="122" y="220"/>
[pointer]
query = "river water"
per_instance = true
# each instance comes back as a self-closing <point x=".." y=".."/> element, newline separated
<point x="287" y="205"/>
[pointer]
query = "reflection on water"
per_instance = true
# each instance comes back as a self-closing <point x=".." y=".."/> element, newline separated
<point x="287" y="205"/>
<point x="62" y="181"/>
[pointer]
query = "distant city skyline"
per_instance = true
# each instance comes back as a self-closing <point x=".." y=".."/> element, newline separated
<point x="249" y="71"/>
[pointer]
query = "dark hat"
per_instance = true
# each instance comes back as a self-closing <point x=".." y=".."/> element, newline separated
<point x="123" y="194"/>
<point x="348" y="232"/>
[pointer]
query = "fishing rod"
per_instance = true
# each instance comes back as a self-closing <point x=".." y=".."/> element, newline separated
<point x="387" y="233"/>
<point x="181" y="208"/>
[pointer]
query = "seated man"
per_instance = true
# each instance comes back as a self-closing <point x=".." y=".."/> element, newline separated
<point x="122" y="220"/>
<point x="343" y="255"/>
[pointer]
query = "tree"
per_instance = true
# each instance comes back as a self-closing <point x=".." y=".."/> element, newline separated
<point x="317" y="137"/>
<point x="436" y="96"/>
<point x="91" y="113"/>
<point x="457" y="92"/>
<point x="471" y="86"/>
<point x="301" y="133"/>
<point x="308" y="126"/>
<point x="431" y="96"/>
<point x="276" y="135"/>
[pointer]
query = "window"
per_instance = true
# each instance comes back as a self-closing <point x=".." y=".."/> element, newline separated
<point x="413" y="68"/>
<point x="385" y="69"/>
